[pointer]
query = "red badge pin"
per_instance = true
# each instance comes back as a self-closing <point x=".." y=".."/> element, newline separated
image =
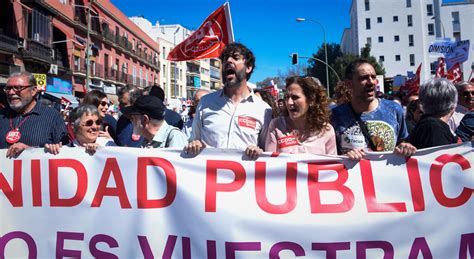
<point x="13" y="136"/>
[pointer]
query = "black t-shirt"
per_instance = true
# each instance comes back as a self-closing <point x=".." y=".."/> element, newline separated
<point x="431" y="132"/>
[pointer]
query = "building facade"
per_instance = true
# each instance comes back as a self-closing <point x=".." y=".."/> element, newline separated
<point x="50" y="37"/>
<point x="400" y="32"/>
<point x="186" y="77"/>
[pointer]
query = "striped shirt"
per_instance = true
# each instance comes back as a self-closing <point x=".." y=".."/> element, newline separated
<point x="40" y="126"/>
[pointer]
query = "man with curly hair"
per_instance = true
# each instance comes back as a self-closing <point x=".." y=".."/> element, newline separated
<point x="233" y="117"/>
<point x="367" y="122"/>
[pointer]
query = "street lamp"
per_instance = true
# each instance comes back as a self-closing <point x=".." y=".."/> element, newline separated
<point x="325" y="47"/>
<point x="436" y="18"/>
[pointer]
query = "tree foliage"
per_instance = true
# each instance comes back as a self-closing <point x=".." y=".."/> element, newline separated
<point x="339" y="61"/>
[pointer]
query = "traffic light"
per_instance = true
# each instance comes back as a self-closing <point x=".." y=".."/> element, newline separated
<point x="294" y="59"/>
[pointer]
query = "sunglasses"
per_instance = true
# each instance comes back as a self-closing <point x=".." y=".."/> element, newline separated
<point x="89" y="123"/>
<point x="16" y="89"/>
<point x="104" y="103"/>
<point x="468" y="93"/>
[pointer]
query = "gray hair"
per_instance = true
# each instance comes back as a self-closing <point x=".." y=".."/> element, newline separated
<point x="438" y="97"/>
<point x="29" y="76"/>
<point x="86" y="109"/>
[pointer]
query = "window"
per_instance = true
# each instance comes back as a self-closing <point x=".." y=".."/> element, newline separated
<point x="410" y="20"/>
<point x="430" y="29"/>
<point x="433" y="67"/>
<point x="367" y="23"/>
<point x="379" y="19"/>
<point x="412" y="60"/>
<point x="134" y="75"/>
<point x="429" y="9"/>
<point x="396" y="38"/>
<point x="163" y="53"/>
<point x="367" y="5"/>
<point x="164" y="71"/>
<point x="77" y="63"/>
<point x="408" y="3"/>
<point x="410" y="40"/>
<point x="381" y="58"/>
<point x="397" y="58"/>
<point x="395" y="18"/>
<point x="369" y="40"/>
<point x="63" y="1"/>
<point x="380" y="39"/>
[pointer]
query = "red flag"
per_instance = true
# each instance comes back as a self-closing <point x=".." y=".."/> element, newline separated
<point x="455" y="73"/>
<point x="412" y="85"/>
<point x="209" y="40"/>
<point x="440" y="71"/>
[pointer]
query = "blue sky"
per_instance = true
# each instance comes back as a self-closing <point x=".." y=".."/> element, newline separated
<point x="268" y="27"/>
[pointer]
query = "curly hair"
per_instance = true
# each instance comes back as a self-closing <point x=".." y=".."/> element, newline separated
<point x="239" y="48"/>
<point x="318" y="115"/>
<point x="343" y="93"/>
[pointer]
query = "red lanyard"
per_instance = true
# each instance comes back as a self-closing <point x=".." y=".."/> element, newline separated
<point x="19" y="124"/>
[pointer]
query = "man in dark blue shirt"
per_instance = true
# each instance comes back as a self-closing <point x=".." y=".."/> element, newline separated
<point x="26" y="123"/>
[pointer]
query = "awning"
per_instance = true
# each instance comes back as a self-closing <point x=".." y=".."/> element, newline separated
<point x="71" y="98"/>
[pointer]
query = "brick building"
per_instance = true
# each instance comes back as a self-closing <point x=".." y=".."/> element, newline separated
<point x="49" y="37"/>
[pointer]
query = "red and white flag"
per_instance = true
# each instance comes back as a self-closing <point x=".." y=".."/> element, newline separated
<point x="455" y="73"/>
<point x="209" y="40"/>
<point x="65" y="103"/>
<point x="412" y="85"/>
<point x="441" y="70"/>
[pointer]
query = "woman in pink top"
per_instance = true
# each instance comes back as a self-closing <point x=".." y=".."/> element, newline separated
<point x="305" y="126"/>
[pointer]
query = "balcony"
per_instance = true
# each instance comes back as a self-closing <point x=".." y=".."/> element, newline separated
<point x="7" y="69"/>
<point x="8" y="44"/>
<point x="38" y="51"/>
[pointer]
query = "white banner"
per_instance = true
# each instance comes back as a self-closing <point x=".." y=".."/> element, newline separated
<point x="163" y="204"/>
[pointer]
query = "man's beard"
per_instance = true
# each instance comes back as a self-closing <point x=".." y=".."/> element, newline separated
<point x="22" y="104"/>
<point x="240" y="75"/>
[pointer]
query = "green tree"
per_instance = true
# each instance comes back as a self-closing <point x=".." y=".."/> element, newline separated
<point x="318" y="69"/>
<point x="339" y="61"/>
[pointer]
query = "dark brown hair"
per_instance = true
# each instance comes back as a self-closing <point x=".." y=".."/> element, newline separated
<point x="318" y="115"/>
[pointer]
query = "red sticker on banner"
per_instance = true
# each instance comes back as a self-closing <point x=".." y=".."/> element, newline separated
<point x="13" y="136"/>
<point x="287" y="141"/>
<point x="247" y="122"/>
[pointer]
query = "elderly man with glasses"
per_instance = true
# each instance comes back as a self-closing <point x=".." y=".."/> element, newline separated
<point x="26" y="123"/>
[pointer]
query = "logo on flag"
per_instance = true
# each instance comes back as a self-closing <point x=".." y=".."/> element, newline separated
<point x="455" y="74"/>
<point x="209" y="40"/>
<point x="441" y="70"/>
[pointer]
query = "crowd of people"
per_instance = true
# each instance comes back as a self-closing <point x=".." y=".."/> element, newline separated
<point x="237" y="117"/>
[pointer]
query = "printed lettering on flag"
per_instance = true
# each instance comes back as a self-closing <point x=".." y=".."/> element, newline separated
<point x="287" y="141"/>
<point x="209" y="40"/>
<point x="247" y="122"/>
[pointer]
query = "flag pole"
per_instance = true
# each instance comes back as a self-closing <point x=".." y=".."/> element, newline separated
<point x="228" y="16"/>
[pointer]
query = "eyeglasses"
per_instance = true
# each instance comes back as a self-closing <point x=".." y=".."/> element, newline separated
<point x="16" y="88"/>
<point x="104" y="103"/>
<point x="89" y="123"/>
<point x="468" y="93"/>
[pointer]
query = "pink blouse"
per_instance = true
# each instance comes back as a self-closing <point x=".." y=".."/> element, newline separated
<point x="280" y="139"/>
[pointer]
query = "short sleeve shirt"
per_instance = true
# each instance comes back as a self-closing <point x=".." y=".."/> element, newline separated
<point x="385" y="122"/>
<point x="221" y="124"/>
